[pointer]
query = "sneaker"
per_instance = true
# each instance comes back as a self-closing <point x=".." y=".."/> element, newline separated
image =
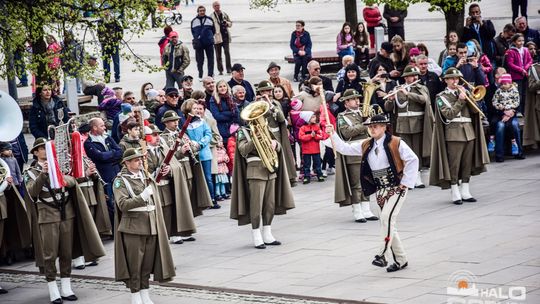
<point x="306" y="181"/>
<point x="320" y="179"/>
<point x="515" y="148"/>
<point x="491" y="145"/>
<point x="324" y="174"/>
<point x="330" y="171"/>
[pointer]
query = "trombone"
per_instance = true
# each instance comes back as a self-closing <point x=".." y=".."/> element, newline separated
<point x="476" y="94"/>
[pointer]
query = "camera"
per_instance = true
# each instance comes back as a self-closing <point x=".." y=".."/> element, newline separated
<point x="385" y="75"/>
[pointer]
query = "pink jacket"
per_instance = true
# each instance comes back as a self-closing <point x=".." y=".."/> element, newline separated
<point x="339" y="43"/>
<point x="222" y="159"/>
<point x="486" y="67"/>
<point x="517" y="65"/>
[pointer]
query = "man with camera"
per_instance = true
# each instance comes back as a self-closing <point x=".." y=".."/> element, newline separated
<point x="481" y="30"/>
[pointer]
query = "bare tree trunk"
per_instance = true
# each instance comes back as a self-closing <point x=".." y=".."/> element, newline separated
<point x="454" y="20"/>
<point x="351" y="13"/>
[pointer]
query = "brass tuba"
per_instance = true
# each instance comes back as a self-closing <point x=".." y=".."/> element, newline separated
<point x="254" y="115"/>
<point x="369" y="88"/>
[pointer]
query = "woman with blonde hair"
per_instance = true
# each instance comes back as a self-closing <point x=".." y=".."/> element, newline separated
<point x="144" y="90"/>
<point x="400" y="56"/>
<point x="224" y="109"/>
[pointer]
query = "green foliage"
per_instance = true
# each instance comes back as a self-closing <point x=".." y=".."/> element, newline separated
<point x="28" y="22"/>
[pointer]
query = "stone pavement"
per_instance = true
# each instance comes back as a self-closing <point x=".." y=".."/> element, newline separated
<point x="325" y="254"/>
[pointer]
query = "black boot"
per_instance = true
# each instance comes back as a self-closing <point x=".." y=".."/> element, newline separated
<point x="379" y="261"/>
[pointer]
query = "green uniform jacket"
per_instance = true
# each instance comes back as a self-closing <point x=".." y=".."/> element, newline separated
<point x="17" y="227"/>
<point x="86" y="240"/>
<point x="240" y="190"/>
<point x="163" y="263"/>
<point x="102" y="220"/>
<point x="439" y="174"/>
<point x="531" y="128"/>
<point x="276" y="119"/>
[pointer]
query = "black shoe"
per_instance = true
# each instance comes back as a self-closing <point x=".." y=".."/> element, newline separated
<point x="117" y="80"/>
<point x="226" y="196"/>
<point x="373" y="218"/>
<point x="219" y="198"/>
<point x="189" y="239"/>
<point x="469" y="200"/>
<point x="394" y="267"/>
<point x="261" y="246"/>
<point x="458" y="202"/>
<point x="3" y="291"/>
<point x="362" y="220"/>
<point x="519" y="156"/>
<point x="380" y="261"/>
<point x="215" y="206"/>
<point x="220" y="73"/>
<point x="70" y="298"/>
<point x="179" y="242"/>
<point x="57" y="301"/>
<point x="320" y="179"/>
<point x="80" y="267"/>
<point x="93" y="263"/>
<point x="499" y="159"/>
<point x="422" y="186"/>
<point x="306" y="181"/>
<point x="274" y="243"/>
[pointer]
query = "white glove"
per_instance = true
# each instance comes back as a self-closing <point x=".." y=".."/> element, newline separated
<point x="145" y="195"/>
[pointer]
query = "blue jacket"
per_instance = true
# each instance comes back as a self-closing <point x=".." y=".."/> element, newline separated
<point x="164" y="108"/>
<point x="200" y="132"/>
<point x="449" y="61"/>
<point x="225" y="118"/>
<point x="107" y="161"/>
<point x="250" y="94"/>
<point x="38" y="120"/>
<point x="202" y="29"/>
<point x="472" y="75"/>
<point x="305" y="40"/>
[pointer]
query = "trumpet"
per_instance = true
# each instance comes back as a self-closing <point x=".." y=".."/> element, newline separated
<point x="399" y="87"/>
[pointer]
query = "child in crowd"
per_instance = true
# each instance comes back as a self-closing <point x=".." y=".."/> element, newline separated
<point x="506" y="102"/>
<point x="6" y="154"/>
<point x="310" y="136"/>
<point x="451" y="59"/>
<point x="222" y="178"/>
<point x="110" y="105"/>
<point x="231" y="146"/>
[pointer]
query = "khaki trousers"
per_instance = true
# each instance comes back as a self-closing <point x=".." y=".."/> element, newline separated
<point x="262" y="201"/>
<point x="460" y="160"/>
<point x="140" y="253"/>
<point x="393" y="201"/>
<point x="57" y="242"/>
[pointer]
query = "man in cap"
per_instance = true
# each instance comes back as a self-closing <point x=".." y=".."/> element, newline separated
<point x="187" y="87"/>
<point x="238" y="79"/>
<point x="347" y="190"/>
<point x="172" y="103"/>
<point x="389" y="167"/>
<point x="106" y="155"/>
<point x="459" y="146"/>
<point x="383" y="58"/>
<point x="273" y="71"/>
<point x="414" y="124"/>
<point x="277" y="125"/>
<point x="54" y="214"/>
<point x="175" y="60"/>
<point x="141" y="248"/>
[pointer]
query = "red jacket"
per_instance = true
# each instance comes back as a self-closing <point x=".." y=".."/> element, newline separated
<point x="310" y="144"/>
<point x="231" y="146"/>
<point x="372" y="16"/>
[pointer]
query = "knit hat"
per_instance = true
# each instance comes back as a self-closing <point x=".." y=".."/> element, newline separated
<point x="505" y="78"/>
<point x="414" y="52"/>
<point x="306" y="115"/>
<point x="296" y="104"/>
<point x="151" y="94"/>
<point x="107" y="92"/>
<point x="173" y="34"/>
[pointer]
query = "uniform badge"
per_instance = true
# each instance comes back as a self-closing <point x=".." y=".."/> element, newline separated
<point x="26" y="178"/>
<point x="241" y="134"/>
<point x="439" y="102"/>
<point x="117" y="184"/>
<point x="341" y="121"/>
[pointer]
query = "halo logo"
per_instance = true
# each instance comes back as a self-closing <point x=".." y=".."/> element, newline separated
<point x="462" y="290"/>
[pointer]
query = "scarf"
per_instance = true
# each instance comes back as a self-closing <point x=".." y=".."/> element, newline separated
<point x="297" y="42"/>
<point x="100" y="139"/>
<point x="49" y="112"/>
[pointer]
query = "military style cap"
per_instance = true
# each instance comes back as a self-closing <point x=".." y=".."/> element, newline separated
<point x="152" y="129"/>
<point x="264" y="86"/>
<point x="38" y="143"/>
<point x="131" y="153"/>
<point x="376" y="119"/>
<point x="410" y="71"/>
<point x="170" y="116"/>
<point x="452" y="73"/>
<point x="350" y="94"/>
<point x="272" y="65"/>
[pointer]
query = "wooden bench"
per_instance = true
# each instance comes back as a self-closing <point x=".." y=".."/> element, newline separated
<point x="327" y="57"/>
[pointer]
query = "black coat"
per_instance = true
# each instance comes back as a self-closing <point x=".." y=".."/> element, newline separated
<point x="434" y="85"/>
<point x="107" y="161"/>
<point x="387" y="63"/>
<point x="37" y="118"/>
<point x="484" y="37"/>
<point x="391" y="12"/>
<point x="501" y="46"/>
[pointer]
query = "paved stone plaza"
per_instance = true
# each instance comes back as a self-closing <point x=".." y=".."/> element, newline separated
<point x="324" y="253"/>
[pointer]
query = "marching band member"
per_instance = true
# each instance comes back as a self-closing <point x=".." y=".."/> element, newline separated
<point x="414" y="123"/>
<point x="459" y="146"/>
<point x="141" y="246"/>
<point x="258" y="194"/>
<point x="389" y="167"/>
<point x="531" y="127"/>
<point x="347" y="189"/>
<point x="277" y="124"/>
<point x="54" y="212"/>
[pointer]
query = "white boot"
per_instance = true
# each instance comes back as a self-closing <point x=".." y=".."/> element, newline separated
<point x="456" y="195"/>
<point x="79" y="262"/>
<point x="257" y="239"/>
<point x="54" y="293"/>
<point x="466" y="194"/>
<point x="66" y="289"/>
<point x="419" y="183"/>
<point x="145" y="296"/>
<point x="358" y="214"/>
<point x="268" y="238"/>
<point x="136" y="298"/>
<point x="366" y="211"/>
<point x="176" y="240"/>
